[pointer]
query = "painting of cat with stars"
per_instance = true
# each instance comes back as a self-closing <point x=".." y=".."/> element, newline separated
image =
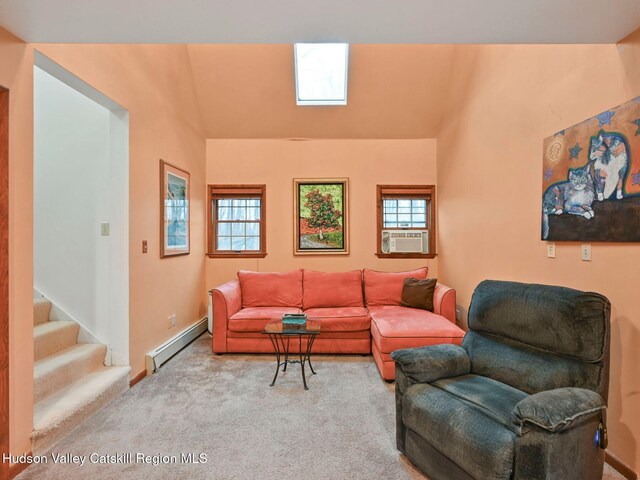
<point x="591" y="179"/>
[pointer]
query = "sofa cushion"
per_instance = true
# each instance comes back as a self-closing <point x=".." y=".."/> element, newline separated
<point x="271" y="289"/>
<point x="418" y="293"/>
<point x="254" y="319"/>
<point x="479" y="445"/>
<point x="495" y="399"/>
<point x="332" y="289"/>
<point x="345" y="319"/>
<point x="385" y="288"/>
<point x="393" y="328"/>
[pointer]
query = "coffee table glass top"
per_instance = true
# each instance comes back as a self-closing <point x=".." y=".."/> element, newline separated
<point x="276" y="326"/>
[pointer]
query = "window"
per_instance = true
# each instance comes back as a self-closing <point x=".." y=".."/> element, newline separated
<point x="406" y="221"/>
<point x="237" y="221"/>
<point x="321" y="73"/>
<point x="404" y="212"/>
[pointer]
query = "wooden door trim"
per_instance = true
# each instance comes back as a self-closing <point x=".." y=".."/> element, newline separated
<point x="4" y="279"/>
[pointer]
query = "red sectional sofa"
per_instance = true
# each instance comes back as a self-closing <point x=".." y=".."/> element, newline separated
<point x="360" y="312"/>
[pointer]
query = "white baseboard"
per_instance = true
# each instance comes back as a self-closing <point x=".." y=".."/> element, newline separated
<point x="164" y="352"/>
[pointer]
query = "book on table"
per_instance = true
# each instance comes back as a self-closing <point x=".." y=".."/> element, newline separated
<point x="294" y="321"/>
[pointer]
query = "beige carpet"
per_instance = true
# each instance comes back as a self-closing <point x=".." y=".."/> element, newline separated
<point x="222" y="406"/>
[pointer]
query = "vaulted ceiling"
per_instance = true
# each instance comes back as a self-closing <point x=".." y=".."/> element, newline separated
<point x="248" y="91"/>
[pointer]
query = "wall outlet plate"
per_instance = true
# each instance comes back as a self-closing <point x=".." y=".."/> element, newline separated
<point x="172" y="320"/>
<point x="551" y="249"/>
<point x="104" y="229"/>
<point x="585" y="252"/>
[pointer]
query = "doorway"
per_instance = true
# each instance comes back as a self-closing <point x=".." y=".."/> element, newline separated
<point x="81" y="206"/>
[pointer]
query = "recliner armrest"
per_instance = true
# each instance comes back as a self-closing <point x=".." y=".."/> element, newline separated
<point x="428" y="364"/>
<point x="556" y="410"/>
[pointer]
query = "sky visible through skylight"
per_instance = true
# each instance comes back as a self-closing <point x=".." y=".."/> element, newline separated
<point x="321" y="73"/>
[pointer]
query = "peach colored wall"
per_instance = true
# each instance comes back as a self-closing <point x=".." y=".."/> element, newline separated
<point x="502" y="101"/>
<point x="248" y="91"/>
<point x="16" y="73"/>
<point x="276" y="162"/>
<point x="154" y="83"/>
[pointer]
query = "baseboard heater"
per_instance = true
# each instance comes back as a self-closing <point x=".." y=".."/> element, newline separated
<point x="164" y="352"/>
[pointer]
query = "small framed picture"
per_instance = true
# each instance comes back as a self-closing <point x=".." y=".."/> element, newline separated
<point x="321" y="220"/>
<point x="174" y="210"/>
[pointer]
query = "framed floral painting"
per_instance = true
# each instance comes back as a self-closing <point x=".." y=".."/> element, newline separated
<point x="321" y="219"/>
<point x="174" y="210"/>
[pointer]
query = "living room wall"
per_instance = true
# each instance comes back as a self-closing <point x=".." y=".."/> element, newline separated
<point x="277" y="162"/>
<point x="502" y="101"/>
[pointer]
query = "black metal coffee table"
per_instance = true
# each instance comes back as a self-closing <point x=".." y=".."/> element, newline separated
<point x="281" y="337"/>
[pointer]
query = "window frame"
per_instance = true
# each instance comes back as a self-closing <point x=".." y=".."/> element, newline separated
<point x="427" y="192"/>
<point x="215" y="192"/>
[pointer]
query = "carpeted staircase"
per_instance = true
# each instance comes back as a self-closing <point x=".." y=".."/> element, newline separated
<point x="71" y="381"/>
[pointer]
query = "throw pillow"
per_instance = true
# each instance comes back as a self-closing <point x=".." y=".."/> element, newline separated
<point x="419" y="293"/>
<point x="385" y="288"/>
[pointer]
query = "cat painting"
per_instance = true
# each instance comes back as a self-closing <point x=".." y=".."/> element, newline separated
<point x="610" y="159"/>
<point x="574" y="196"/>
<point x="604" y="148"/>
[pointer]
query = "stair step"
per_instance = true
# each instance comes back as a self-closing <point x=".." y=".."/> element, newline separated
<point x="41" y="311"/>
<point x="52" y="337"/>
<point x="58" y="414"/>
<point x="56" y="371"/>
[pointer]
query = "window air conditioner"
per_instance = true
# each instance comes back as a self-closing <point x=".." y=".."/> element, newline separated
<point x="405" y="241"/>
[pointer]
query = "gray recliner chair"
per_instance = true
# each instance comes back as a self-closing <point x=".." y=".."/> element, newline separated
<point x="525" y="395"/>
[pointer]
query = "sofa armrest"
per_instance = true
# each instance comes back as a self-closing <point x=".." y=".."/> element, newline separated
<point x="227" y="301"/>
<point x="444" y="302"/>
<point x="428" y="364"/>
<point x="556" y="410"/>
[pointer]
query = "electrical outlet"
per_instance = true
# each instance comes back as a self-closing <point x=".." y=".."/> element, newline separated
<point x="551" y="250"/>
<point x="172" y="321"/>
<point x="104" y="229"/>
<point x="585" y="250"/>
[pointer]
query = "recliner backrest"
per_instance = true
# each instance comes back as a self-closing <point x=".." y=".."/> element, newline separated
<point x="539" y="337"/>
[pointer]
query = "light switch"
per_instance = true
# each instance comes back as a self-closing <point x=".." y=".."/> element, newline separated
<point x="104" y="229"/>
<point x="144" y="246"/>
<point x="585" y="250"/>
<point x="551" y="250"/>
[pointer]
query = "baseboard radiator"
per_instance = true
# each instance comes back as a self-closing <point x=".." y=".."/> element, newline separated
<point x="164" y="352"/>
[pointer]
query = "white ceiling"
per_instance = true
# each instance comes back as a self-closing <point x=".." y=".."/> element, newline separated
<point x="289" y="21"/>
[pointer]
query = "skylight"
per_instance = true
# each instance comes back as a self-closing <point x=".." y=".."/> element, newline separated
<point x="321" y="73"/>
